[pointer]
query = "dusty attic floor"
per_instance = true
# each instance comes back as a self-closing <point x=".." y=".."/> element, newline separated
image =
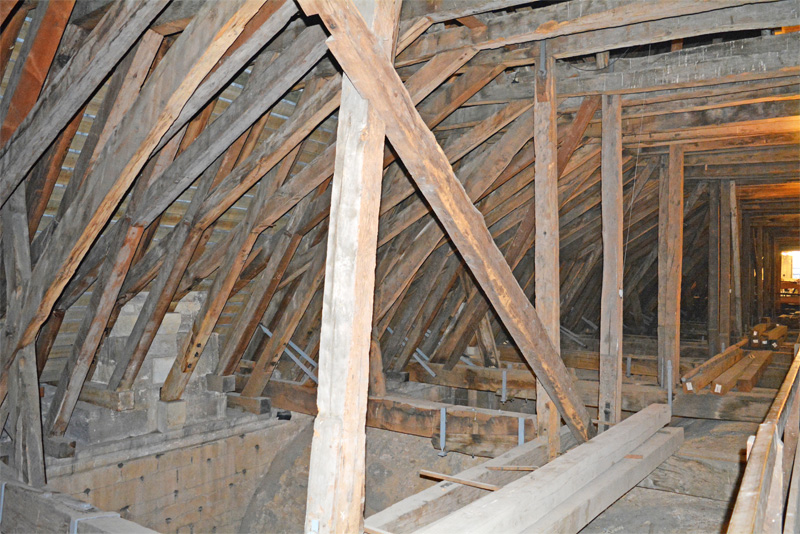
<point x="693" y="491"/>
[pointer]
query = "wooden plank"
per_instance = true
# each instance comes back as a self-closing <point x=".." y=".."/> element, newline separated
<point x="751" y="502"/>
<point x="437" y="501"/>
<point x="750" y="376"/>
<point x="793" y="503"/>
<point x="523" y="502"/>
<point x="458" y="480"/>
<point x="670" y="263"/>
<point x="701" y="376"/>
<point x="270" y="20"/>
<point x="306" y="180"/>
<point x="712" y="64"/>
<point x="84" y="73"/>
<point x="586" y="111"/>
<point x="611" y="295"/>
<point x="28" y="509"/>
<point x="592" y="499"/>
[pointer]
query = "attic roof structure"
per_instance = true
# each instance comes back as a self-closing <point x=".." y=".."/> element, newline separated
<point x="449" y="265"/>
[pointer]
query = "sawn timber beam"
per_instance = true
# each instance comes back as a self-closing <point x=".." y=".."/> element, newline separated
<point x="374" y="77"/>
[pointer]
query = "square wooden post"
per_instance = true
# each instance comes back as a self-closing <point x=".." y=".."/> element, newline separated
<point x="335" y="501"/>
<point x="548" y="304"/>
<point x="670" y="263"/>
<point x="610" y="407"/>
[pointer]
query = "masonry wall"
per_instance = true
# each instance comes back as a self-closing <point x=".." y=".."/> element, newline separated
<point x="192" y="484"/>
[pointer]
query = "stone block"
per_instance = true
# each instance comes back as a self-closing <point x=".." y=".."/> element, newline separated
<point x="171" y="415"/>
<point x="222" y="384"/>
<point x="256" y="405"/>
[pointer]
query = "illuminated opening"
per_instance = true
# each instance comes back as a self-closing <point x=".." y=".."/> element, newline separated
<point x="790" y="265"/>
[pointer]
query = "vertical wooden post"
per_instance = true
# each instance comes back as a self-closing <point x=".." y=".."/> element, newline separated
<point x="736" y="263"/>
<point x="548" y="305"/>
<point x="610" y="407"/>
<point x="746" y="258"/>
<point x="759" y="242"/>
<point x="725" y="264"/>
<point x="336" y="471"/>
<point x="670" y="263"/>
<point x="713" y="269"/>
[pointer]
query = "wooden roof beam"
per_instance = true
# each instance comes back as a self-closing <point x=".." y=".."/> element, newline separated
<point x="161" y="99"/>
<point x="85" y="72"/>
<point x="359" y="53"/>
<point x="560" y="20"/>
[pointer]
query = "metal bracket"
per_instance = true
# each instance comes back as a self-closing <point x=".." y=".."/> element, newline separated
<point x="521" y="431"/>
<point x="442" y="430"/>
<point x="669" y="385"/>
<point x="421" y="359"/>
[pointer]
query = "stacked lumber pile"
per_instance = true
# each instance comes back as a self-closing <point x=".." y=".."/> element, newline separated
<point x="732" y="368"/>
<point x="768" y="335"/>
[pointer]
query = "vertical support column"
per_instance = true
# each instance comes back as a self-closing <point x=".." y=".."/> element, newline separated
<point x="713" y="269"/>
<point x="611" y="301"/>
<point x="736" y="263"/>
<point x="548" y="305"/>
<point x="335" y="500"/>
<point x="759" y="231"/>
<point x="670" y="263"/>
<point x="724" y="264"/>
<point x="746" y="253"/>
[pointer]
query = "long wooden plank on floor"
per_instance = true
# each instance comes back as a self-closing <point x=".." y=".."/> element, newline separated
<point x="522" y="503"/>
<point x="358" y="52"/>
<point x="750" y="376"/>
<point x="574" y="514"/>
<point x="727" y="380"/>
<point x="701" y="376"/>
<point x="435" y="502"/>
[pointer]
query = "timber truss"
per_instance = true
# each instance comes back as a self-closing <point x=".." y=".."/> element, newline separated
<point x="227" y="147"/>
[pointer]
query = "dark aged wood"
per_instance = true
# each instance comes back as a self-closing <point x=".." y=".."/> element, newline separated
<point x="183" y="146"/>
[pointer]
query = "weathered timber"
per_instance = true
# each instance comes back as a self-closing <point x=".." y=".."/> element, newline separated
<point x="611" y="303"/>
